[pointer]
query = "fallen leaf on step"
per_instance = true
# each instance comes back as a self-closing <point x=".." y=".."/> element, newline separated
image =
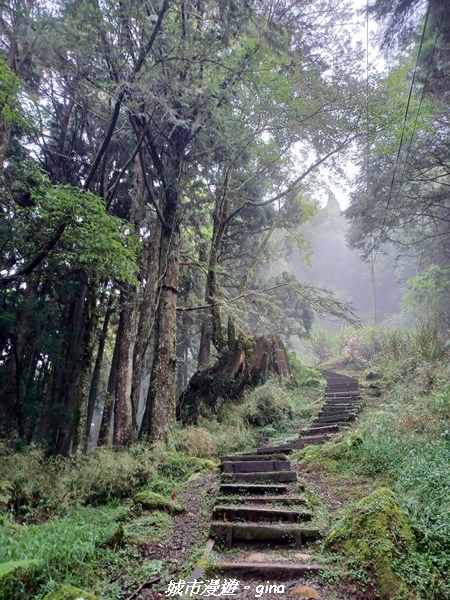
<point x="303" y="557"/>
<point x="257" y="558"/>
<point x="304" y="592"/>
<point x="260" y="557"/>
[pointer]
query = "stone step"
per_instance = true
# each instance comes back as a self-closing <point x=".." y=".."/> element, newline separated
<point x="242" y="457"/>
<point x="316" y="439"/>
<point x="287" y="448"/>
<point x="253" y="488"/>
<point x="268" y="569"/>
<point x="319" y="430"/>
<point x="341" y="418"/>
<point x="333" y="412"/>
<point x="257" y="514"/>
<point x="354" y="400"/>
<point x="257" y="532"/>
<point x="286" y="500"/>
<point x="332" y="405"/>
<point x="341" y="407"/>
<point x="272" y="476"/>
<point x="256" y="466"/>
<point x="342" y="394"/>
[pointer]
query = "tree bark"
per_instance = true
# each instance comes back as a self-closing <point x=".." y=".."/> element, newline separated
<point x="70" y="369"/>
<point x="95" y="381"/>
<point x="146" y="321"/>
<point x="123" y="414"/>
<point x="159" y="416"/>
<point x="108" y="408"/>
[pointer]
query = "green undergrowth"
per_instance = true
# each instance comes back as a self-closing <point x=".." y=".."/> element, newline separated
<point x="80" y="518"/>
<point x="33" y="488"/>
<point x="403" y="439"/>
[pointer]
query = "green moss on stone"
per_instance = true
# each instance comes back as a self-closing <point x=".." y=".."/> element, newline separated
<point x="328" y="455"/>
<point x="153" y="501"/>
<point x="70" y="592"/>
<point x="375" y="534"/>
<point x="203" y="464"/>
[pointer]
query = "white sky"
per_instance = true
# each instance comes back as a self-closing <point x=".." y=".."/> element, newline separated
<point x="341" y="186"/>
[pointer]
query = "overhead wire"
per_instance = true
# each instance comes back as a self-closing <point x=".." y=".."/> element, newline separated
<point x="424" y="88"/>
<point x="405" y="119"/>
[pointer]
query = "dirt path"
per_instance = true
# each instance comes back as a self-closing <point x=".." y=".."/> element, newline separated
<point x="190" y="533"/>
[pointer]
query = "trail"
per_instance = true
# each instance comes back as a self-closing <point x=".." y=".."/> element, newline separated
<point x="261" y="525"/>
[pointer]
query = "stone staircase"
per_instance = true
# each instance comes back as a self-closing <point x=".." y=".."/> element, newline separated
<point x="262" y="503"/>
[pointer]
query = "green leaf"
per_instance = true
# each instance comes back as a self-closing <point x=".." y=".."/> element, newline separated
<point x="9" y="567"/>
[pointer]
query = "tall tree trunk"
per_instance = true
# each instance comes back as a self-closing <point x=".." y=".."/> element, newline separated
<point x="212" y="284"/>
<point x="78" y="353"/>
<point x="183" y="340"/>
<point x="204" y="352"/>
<point x="95" y="381"/>
<point x="23" y="354"/>
<point x="125" y="428"/>
<point x="108" y="408"/>
<point x="123" y="414"/>
<point x="160" y="411"/>
<point x="146" y="321"/>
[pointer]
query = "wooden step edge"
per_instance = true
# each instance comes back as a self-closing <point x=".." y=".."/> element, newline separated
<point x="199" y="568"/>
<point x="255" y="466"/>
<point x="252" y="487"/>
<point x="264" y="499"/>
<point x="232" y="513"/>
<point x="309" y="532"/>
<point x="269" y="568"/>
<point x="260" y="477"/>
<point x="334" y="428"/>
<point x="283" y="533"/>
<point x="245" y="507"/>
<point x="252" y="457"/>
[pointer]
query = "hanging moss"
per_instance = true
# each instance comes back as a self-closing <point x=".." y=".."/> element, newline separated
<point x="374" y="535"/>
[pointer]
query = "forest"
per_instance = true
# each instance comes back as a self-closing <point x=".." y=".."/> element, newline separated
<point x="201" y="204"/>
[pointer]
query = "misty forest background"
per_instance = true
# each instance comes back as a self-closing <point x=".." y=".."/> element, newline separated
<point x="167" y="186"/>
<point x="200" y="202"/>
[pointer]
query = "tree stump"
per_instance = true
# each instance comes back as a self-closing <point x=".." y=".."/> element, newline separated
<point x="243" y="367"/>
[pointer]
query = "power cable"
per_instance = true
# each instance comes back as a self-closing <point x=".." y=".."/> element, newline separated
<point x="411" y="88"/>
<point x="424" y="87"/>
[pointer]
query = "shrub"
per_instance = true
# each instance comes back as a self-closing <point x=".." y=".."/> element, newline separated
<point x="323" y="344"/>
<point x="195" y="441"/>
<point x="266" y="405"/>
<point x="302" y="375"/>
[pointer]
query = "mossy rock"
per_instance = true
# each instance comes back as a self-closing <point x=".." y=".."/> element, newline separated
<point x="70" y="592"/>
<point x="203" y="464"/>
<point x="153" y="501"/>
<point x="375" y="534"/>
